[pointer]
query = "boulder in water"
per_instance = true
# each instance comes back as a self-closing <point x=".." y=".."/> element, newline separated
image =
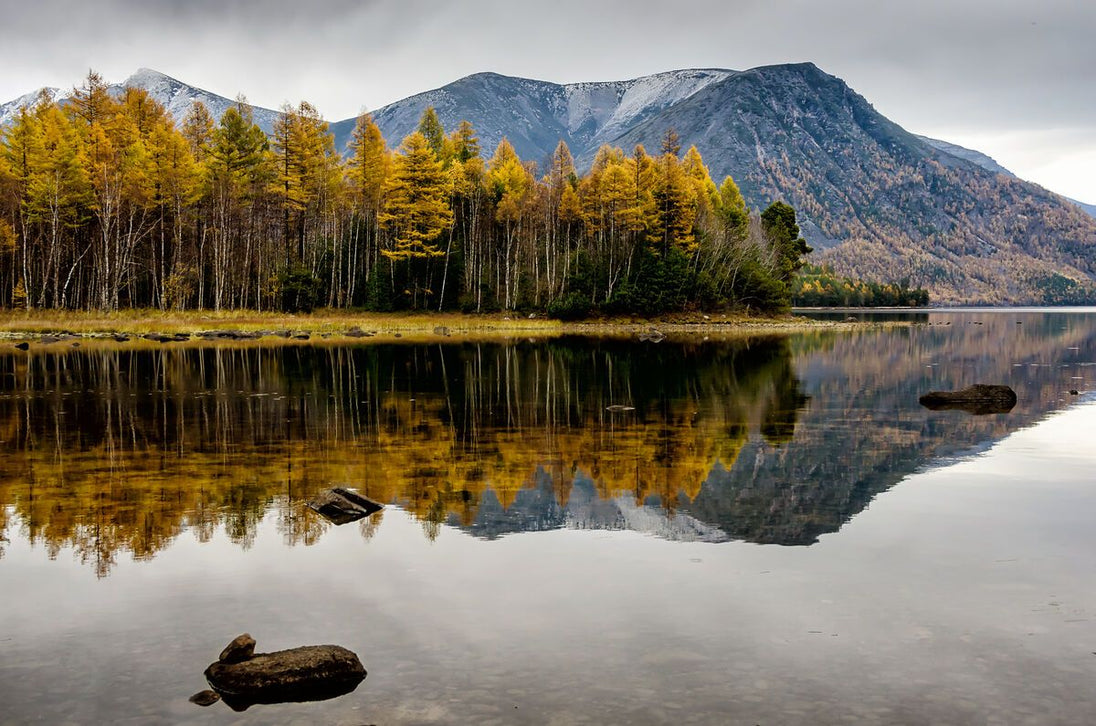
<point x="308" y="673"/>
<point x="343" y="505"/>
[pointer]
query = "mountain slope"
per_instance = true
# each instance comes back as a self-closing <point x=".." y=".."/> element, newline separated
<point x="535" y="115"/>
<point x="174" y="95"/>
<point x="990" y="164"/>
<point x="177" y="97"/>
<point x="878" y="201"/>
<point x="9" y="110"/>
<point x="986" y="162"/>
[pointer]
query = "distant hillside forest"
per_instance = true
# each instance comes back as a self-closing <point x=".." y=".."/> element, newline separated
<point x="106" y="204"/>
<point x="818" y="286"/>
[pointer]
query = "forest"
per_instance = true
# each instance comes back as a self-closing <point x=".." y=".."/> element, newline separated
<point x="819" y="286"/>
<point x="107" y="203"/>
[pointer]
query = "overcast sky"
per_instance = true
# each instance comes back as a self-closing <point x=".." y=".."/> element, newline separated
<point x="1016" y="80"/>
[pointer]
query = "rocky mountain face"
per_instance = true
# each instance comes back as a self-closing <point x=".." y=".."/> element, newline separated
<point x="535" y="115"/>
<point x="874" y="200"/>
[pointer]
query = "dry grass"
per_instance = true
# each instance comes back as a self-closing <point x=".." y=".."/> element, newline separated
<point x="332" y="324"/>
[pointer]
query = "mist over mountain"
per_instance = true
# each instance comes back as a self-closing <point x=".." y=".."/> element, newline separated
<point x="873" y="199"/>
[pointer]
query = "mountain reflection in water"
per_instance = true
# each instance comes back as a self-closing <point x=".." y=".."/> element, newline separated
<point x="773" y="440"/>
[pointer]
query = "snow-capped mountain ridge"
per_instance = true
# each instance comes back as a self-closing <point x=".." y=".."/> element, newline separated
<point x="541" y="113"/>
<point x="9" y="110"/>
<point x="174" y="95"/>
<point x="178" y="97"/>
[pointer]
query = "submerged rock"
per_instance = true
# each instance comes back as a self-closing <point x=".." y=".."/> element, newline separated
<point x="23" y="346"/>
<point x="240" y="649"/>
<point x="308" y="673"/>
<point x="978" y="399"/>
<point x="342" y="505"/>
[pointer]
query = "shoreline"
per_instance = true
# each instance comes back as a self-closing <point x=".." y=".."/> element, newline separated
<point x="340" y="327"/>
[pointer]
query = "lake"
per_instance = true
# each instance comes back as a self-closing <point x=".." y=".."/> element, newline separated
<point x="767" y="530"/>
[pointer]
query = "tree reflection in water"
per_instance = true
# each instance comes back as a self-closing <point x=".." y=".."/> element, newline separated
<point x="121" y="450"/>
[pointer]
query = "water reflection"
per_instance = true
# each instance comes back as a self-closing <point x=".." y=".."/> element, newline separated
<point x="773" y="440"/>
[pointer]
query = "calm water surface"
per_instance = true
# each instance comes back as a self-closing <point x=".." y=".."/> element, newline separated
<point x="765" y="531"/>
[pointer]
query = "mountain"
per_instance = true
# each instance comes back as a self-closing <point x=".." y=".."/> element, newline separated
<point x="177" y="97"/>
<point x="874" y="200"/>
<point x="9" y="110"/>
<point x="171" y="93"/>
<point x="535" y="115"/>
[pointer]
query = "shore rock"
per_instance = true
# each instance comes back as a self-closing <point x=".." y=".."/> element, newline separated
<point x="342" y="505"/>
<point x="978" y="399"/>
<point x="308" y="673"/>
<point x="167" y="337"/>
<point x="229" y="335"/>
<point x="240" y="649"/>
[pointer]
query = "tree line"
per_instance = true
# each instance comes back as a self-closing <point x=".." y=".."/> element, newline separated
<point x="819" y="286"/>
<point x="107" y="203"/>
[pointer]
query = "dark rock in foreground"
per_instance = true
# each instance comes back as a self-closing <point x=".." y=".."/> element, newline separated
<point x="978" y="399"/>
<point x="342" y="505"/>
<point x="308" y="673"/>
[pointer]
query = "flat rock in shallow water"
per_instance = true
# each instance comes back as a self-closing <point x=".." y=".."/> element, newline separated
<point x="342" y="505"/>
<point x="978" y="399"/>
<point x="308" y="673"/>
<point x="205" y="698"/>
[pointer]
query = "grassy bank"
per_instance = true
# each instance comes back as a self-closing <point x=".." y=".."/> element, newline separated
<point x="334" y="325"/>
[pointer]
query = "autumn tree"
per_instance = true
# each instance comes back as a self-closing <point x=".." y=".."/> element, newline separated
<point x="416" y="211"/>
<point x="367" y="171"/>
